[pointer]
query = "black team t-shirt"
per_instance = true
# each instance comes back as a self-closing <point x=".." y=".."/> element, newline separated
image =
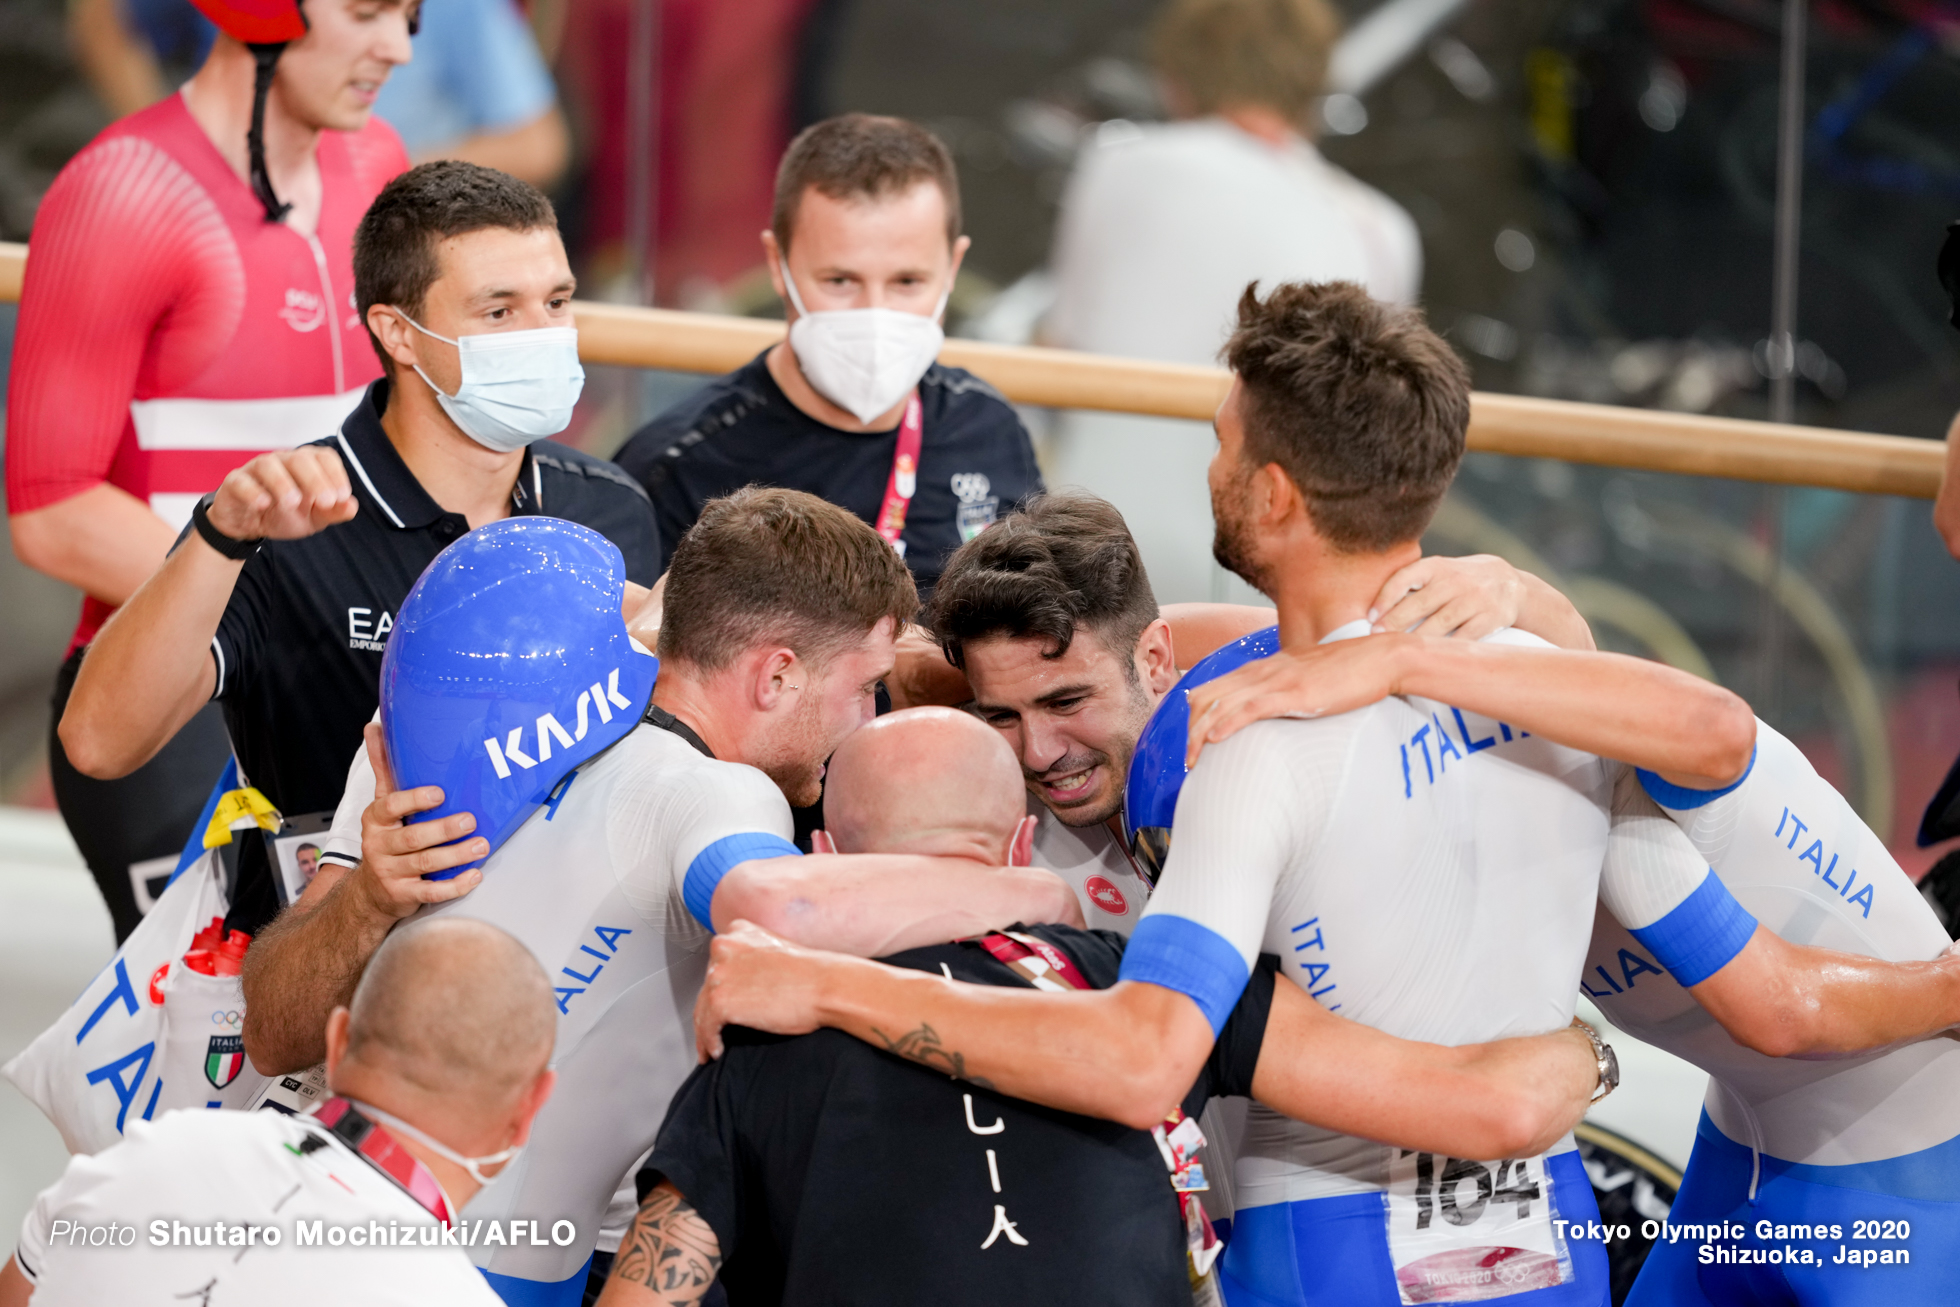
<point x="975" y="460"/>
<point x="834" y="1172"/>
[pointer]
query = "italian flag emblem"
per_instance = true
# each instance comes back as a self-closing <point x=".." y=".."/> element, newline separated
<point x="224" y="1060"/>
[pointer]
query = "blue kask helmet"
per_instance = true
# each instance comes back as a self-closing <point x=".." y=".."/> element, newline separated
<point x="509" y="666"/>
<point x="1157" y="767"/>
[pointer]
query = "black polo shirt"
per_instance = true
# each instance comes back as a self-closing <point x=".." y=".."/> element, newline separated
<point x="833" y="1172"/>
<point x="298" y="652"/>
<point x="975" y="460"/>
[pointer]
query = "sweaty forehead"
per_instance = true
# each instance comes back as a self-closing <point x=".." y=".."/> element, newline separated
<point x="1013" y="671"/>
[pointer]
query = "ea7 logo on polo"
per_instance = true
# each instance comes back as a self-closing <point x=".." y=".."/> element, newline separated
<point x="224" y="1058"/>
<point x="549" y="729"/>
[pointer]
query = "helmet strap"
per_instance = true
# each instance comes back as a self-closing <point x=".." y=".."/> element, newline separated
<point x="265" y="57"/>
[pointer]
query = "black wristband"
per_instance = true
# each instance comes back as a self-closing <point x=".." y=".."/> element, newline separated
<point x="236" y="550"/>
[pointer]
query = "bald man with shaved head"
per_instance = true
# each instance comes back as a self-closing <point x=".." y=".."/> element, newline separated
<point x="437" y="1069"/>
<point x="927" y="780"/>
<point x="817" y="1168"/>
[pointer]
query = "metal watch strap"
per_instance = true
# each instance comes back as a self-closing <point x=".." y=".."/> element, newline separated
<point x="236" y="550"/>
<point x="1605" y="1059"/>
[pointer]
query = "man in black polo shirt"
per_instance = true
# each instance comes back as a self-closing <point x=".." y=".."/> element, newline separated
<point x="819" y="1169"/>
<point x="279" y="601"/>
<point x="863" y="248"/>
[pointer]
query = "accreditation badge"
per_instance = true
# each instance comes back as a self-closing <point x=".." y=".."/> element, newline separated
<point x="978" y="506"/>
<point x="977" y="517"/>
<point x="1467" y="1231"/>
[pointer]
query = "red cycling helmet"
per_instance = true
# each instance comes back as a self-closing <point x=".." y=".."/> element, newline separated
<point x="256" y="22"/>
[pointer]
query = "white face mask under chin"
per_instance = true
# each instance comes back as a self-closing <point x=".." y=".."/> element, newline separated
<point x="517" y="386"/>
<point x="474" y="1165"/>
<point x="863" y="360"/>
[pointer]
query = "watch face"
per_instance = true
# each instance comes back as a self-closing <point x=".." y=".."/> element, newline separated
<point x="1610" y="1071"/>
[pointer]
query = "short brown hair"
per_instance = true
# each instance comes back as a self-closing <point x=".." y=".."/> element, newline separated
<point x="1227" y="53"/>
<point x="1062" y="562"/>
<point x="780" y="566"/>
<point x="395" y="245"/>
<point x="1359" y="402"/>
<point x="861" y="155"/>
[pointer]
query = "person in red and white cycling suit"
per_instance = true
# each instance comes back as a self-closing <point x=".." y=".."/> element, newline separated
<point x="179" y="317"/>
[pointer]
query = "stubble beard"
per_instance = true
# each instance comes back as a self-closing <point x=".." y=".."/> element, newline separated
<point x="1231" y="538"/>
<point x="1116" y="762"/>
<point x="795" y="760"/>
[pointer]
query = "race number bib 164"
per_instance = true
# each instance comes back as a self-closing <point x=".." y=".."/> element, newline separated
<point x="1464" y="1231"/>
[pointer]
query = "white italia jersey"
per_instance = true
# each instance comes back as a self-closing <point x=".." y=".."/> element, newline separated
<point x="1422" y="870"/>
<point x="124" y="1225"/>
<point x="1787" y="851"/>
<point x="1094" y="863"/>
<point x="609" y="887"/>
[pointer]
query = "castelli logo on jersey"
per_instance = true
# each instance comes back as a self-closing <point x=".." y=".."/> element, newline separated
<point x="304" y="310"/>
<point x="549" y="728"/>
<point x="1106" y="896"/>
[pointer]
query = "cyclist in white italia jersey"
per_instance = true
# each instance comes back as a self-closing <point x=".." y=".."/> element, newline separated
<point x="1770" y="939"/>
<point x="1421" y="870"/>
<point x="1868" y="1145"/>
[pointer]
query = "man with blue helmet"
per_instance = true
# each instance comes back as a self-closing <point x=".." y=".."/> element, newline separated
<point x="781" y="617"/>
<point x="1832" y="1123"/>
<point x="1447" y="900"/>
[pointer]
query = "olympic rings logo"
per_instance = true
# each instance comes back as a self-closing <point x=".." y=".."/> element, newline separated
<point x="232" y="1018"/>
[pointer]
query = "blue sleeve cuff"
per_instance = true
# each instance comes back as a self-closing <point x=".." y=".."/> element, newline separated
<point x="1701" y="934"/>
<point x="1194" y="960"/>
<point x="718" y="859"/>
<point x="1681" y="798"/>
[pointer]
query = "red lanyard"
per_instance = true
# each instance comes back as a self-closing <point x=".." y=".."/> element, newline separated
<point x="379" y="1149"/>
<point x="1033" y="960"/>
<point x="904" y="480"/>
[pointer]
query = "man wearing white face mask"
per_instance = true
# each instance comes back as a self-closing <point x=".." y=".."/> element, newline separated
<point x="864" y="247"/>
<point x="279" y="600"/>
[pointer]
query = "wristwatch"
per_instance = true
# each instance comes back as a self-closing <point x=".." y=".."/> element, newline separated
<point x="236" y="550"/>
<point x="1609" y="1065"/>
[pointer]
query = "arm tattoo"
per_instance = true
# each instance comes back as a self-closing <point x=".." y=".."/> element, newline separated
<point x="670" y="1250"/>
<point x="923" y="1046"/>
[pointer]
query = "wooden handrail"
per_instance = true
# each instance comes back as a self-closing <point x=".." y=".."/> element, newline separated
<point x="1646" y="439"/>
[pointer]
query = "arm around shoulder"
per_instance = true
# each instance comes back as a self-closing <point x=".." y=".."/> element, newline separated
<point x="1791" y="1000"/>
<point x="1129" y="1053"/>
<point x="873" y="904"/>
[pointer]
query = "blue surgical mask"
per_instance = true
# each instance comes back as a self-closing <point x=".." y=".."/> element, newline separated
<point x="517" y="386"/>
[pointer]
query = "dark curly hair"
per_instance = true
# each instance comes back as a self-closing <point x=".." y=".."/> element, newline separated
<point x="1062" y="562"/>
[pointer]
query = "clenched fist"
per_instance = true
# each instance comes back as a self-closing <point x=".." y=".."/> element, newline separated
<point x="288" y="494"/>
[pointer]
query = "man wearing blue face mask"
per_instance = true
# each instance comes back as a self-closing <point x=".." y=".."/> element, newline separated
<point x="864" y="246"/>
<point x="279" y="600"/>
